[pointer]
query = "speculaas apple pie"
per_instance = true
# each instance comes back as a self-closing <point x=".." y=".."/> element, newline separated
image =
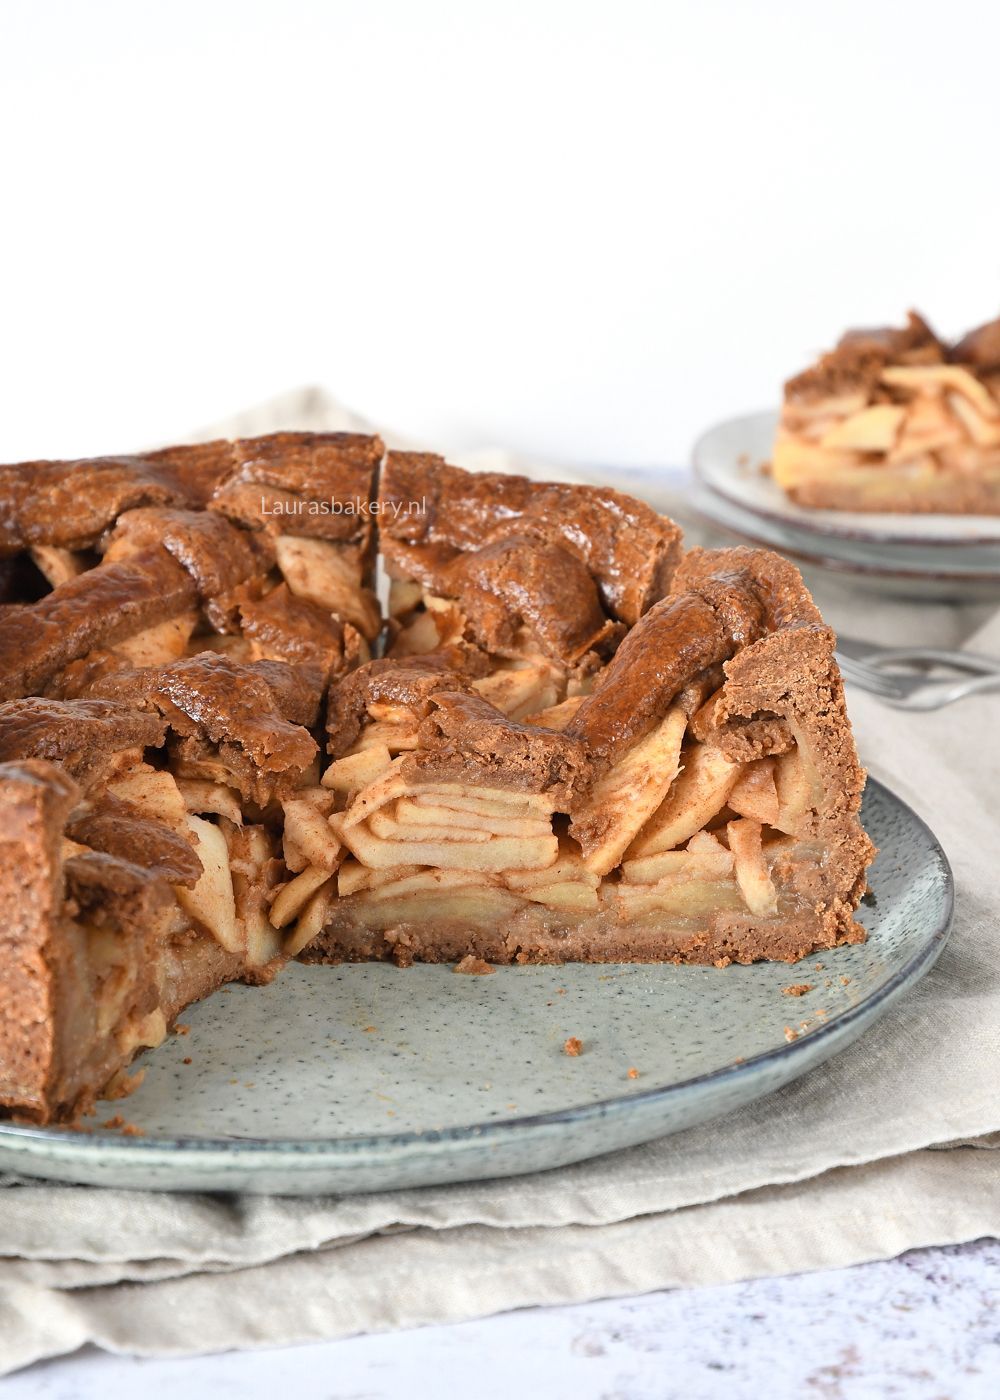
<point x="566" y="740"/>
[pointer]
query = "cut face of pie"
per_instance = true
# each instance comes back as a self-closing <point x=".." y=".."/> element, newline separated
<point x="895" y="420"/>
<point x="566" y="740"/>
<point x="693" y="796"/>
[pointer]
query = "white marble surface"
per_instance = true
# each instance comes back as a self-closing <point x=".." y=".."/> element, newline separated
<point x="925" y="1326"/>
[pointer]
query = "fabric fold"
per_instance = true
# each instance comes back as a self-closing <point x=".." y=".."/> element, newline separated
<point x="424" y="1276"/>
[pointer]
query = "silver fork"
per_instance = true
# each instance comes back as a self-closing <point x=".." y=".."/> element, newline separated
<point x="871" y="667"/>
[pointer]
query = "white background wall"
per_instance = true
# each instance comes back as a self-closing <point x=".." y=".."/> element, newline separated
<point x="581" y="229"/>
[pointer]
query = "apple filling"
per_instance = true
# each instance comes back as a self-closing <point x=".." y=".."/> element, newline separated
<point x="329" y="575"/>
<point x="231" y="898"/>
<point x="673" y="833"/>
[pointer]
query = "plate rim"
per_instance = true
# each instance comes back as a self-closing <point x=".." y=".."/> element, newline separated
<point x="805" y="553"/>
<point x="309" y="1152"/>
<point x="873" y="535"/>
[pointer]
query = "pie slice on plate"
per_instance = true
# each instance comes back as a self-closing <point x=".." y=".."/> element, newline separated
<point x="895" y="420"/>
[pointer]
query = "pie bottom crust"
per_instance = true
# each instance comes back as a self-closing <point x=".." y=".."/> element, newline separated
<point x="535" y="935"/>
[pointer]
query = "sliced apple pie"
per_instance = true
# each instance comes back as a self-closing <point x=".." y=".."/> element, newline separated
<point x="567" y="740"/>
<point x="896" y="420"/>
<point x="168" y="630"/>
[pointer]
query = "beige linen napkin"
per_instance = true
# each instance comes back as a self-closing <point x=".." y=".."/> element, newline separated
<point x="832" y="1170"/>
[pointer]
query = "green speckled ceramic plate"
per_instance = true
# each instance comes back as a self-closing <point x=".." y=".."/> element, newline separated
<point x="366" y="1077"/>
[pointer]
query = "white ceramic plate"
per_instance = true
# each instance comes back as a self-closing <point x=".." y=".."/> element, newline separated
<point x="729" y="459"/>
<point x="901" y="570"/>
<point x="364" y="1077"/>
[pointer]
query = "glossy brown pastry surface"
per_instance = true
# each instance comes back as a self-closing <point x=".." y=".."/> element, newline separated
<point x="563" y="740"/>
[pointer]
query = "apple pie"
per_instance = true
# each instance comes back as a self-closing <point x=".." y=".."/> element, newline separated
<point x="895" y="420"/>
<point x="565" y="739"/>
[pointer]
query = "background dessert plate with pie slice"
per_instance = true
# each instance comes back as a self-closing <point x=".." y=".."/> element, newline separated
<point x="959" y="574"/>
<point x="366" y="1077"/>
<point x="730" y="460"/>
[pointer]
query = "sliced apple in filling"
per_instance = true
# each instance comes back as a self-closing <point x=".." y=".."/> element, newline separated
<point x="691" y="899"/>
<point x="874" y="429"/>
<point x="253" y="868"/>
<point x="463" y="906"/>
<point x="420" y="813"/>
<point x="157" y="795"/>
<point x="567" y="867"/>
<point x="310" y="922"/>
<point x="698" y="794"/>
<point x="520" y="692"/>
<point x="794" y="460"/>
<point x="396" y="736"/>
<point x="356" y="771"/>
<point x="424" y="881"/>
<point x="755" y="793"/>
<point x="937" y="378"/>
<point x="353" y="876"/>
<point x="212" y="902"/>
<point x="568" y="895"/>
<point x="390" y="823"/>
<point x="308" y="837"/>
<point x="567" y="884"/>
<point x="404" y="596"/>
<point x="927" y="428"/>
<point x="229" y="900"/>
<point x="624" y="799"/>
<point x="557" y="716"/>
<point x="157" y="645"/>
<point x="496" y="854"/>
<point x="984" y="432"/>
<point x="705" y="858"/>
<point x="798" y="788"/>
<point x="388" y="711"/>
<point x="486" y="801"/>
<point x="384" y="824"/>
<point x="752" y="875"/>
<point x="419" y="636"/>
<point x="386" y="788"/>
<point x="330" y="576"/>
<point x="57" y="565"/>
<point x="203" y="798"/>
<point x="291" y="899"/>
